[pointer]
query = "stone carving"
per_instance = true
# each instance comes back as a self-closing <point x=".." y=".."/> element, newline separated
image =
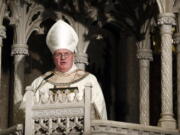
<point x="166" y="21"/>
<point x="64" y="95"/>
<point x="19" y="49"/>
<point x="25" y="18"/>
<point x="144" y="93"/>
<point x="144" y="54"/>
<point x="59" y="114"/>
<point x="58" y="126"/>
<point x="99" y="127"/>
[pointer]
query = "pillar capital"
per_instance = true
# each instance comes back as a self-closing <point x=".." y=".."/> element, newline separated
<point x="166" y="19"/>
<point x="19" y="49"/>
<point x="144" y="54"/>
<point x="81" y="58"/>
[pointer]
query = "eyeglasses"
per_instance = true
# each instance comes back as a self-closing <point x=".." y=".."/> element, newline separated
<point x="63" y="55"/>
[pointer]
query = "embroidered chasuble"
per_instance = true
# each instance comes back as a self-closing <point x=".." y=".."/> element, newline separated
<point x="75" y="78"/>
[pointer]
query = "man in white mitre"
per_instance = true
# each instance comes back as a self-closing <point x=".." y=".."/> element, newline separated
<point x="62" y="41"/>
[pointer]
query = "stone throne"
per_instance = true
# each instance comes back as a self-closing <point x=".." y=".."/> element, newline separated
<point x="58" y="115"/>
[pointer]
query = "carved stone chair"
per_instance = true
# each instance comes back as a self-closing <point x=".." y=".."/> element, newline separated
<point x="59" y="114"/>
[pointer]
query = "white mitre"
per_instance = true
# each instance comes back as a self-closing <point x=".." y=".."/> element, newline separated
<point x="61" y="36"/>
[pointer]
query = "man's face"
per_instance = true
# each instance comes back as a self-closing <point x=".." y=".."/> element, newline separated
<point x="63" y="59"/>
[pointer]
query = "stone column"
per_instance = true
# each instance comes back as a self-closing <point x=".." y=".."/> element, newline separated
<point x="177" y="41"/>
<point x="19" y="51"/>
<point x="166" y="21"/>
<point x="26" y="18"/>
<point x="81" y="60"/>
<point x="145" y="56"/>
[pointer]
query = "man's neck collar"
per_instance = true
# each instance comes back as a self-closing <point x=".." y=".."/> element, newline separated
<point x="72" y="69"/>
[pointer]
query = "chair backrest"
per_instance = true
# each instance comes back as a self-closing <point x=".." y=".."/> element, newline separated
<point x="60" y="114"/>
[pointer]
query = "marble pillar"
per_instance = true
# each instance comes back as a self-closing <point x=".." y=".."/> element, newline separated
<point x="81" y="60"/>
<point x="19" y="51"/>
<point x="166" y="21"/>
<point x="144" y="54"/>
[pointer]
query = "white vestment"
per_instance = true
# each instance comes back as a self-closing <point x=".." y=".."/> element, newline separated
<point x="41" y="86"/>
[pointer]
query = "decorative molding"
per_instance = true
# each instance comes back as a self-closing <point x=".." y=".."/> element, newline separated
<point x="26" y="18"/>
<point x="144" y="54"/>
<point x="58" y="96"/>
<point x="57" y="117"/>
<point x="53" y="113"/>
<point x="102" y="127"/>
<point x="166" y="19"/>
<point x="65" y="126"/>
<point x="19" y="49"/>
